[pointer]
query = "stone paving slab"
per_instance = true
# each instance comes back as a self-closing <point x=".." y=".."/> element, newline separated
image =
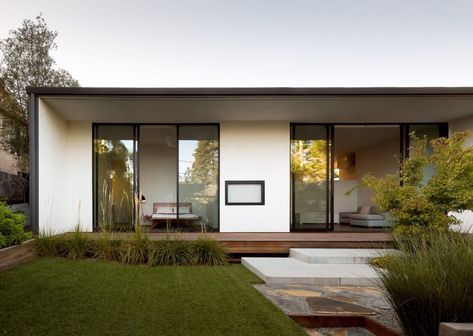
<point x="295" y="271"/>
<point x="295" y="300"/>
<point x="337" y="256"/>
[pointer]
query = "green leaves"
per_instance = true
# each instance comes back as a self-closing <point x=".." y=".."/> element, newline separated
<point x="415" y="199"/>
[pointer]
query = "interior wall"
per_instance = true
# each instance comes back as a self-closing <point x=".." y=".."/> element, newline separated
<point x="157" y="175"/>
<point x="64" y="172"/>
<point x="256" y="151"/>
<point x="378" y="160"/>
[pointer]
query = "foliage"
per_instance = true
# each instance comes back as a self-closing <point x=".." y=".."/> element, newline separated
<point x="106" y="247"/>
<point x="309" y="160"/>
<point x="430" y="281"/>
<point x="171" y="251"/>
<point x="26" y="61"/>
<point x="48" y="245"/>
<point x="135" y="251"/>
<point x="205" y="166"/>
<point x="11" y="227"/>
<point x="77" y="245"/>
<point x="208" y="251"/>
<point x="55" y="297"/>
<point x="417" y="201"/>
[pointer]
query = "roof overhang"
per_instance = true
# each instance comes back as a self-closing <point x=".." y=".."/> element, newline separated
<point x="338" y="105"/>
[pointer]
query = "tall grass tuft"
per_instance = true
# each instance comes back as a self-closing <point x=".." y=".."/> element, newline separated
<point x="106" y="247"/>
<point x="430" y="282"/>
<point x="171" y="251"/>
<point x="135" y="251"/>
<point x="46" y="244"/>
<point x="208" y="251"/>
<point x="77" y="245"/>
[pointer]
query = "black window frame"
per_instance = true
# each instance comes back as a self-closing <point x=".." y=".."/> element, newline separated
<point x="245" y="182"/>
<point x="136" y="161"/>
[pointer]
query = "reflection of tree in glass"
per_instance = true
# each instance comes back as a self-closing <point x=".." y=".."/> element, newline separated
<point x="309" y="160"/>
<point x="115" y="169"/>
<point x="205" y="166"/>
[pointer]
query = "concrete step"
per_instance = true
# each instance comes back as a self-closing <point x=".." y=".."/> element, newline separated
<point x="295" y="271"/>
<point x="337" y="256"/>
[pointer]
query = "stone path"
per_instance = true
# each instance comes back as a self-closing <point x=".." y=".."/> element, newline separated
<point x="300" y="299"/>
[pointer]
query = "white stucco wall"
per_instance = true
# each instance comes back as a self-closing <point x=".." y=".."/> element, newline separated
<point x="64" y="172"/>
<point x="256" y="151"/>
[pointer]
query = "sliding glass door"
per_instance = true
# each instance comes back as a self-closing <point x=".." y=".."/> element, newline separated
<point x="310" y="176"/>
<point x="115" y="159"/>
<point x="174" y="167"/>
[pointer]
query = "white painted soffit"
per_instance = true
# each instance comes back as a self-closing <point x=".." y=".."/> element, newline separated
<point x="339" y="109"/>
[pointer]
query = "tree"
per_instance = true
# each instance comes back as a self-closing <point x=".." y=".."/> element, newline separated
<point x="416" y="202"/>
<point x="26" y="61"/>
<point x="204" y="168"/>
<point x="309" y="160"/>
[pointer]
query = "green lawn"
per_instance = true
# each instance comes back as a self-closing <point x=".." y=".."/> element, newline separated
<point x="59" y="297"/>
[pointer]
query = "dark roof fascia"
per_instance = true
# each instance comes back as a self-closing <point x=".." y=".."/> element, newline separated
<point x="320" y="91"/>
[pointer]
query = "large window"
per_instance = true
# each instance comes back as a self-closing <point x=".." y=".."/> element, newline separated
<point x="328" y="162"/>
<point x="174" y="167"/>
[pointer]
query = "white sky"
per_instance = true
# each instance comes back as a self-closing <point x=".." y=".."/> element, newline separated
<point x="249" y="43"/>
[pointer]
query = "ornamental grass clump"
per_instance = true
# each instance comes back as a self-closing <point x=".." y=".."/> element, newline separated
<point x="208" y="251"/>
<point x="430" y="281"/>
<point x="77" y="245"/>
<point x="171" y="250"/>
<point x="135" y="251"/>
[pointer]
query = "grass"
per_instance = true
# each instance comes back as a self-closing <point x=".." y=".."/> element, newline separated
<point x="85" y="297"/>
<point x="430" y="282"/>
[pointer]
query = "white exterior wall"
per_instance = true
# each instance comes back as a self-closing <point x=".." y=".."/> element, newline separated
<point x="256" y="151"/>
<point x="64" y="172"/>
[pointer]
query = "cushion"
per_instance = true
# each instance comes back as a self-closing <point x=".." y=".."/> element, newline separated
<point x="367" y="217"/>
<point x="184" y="210"/>
<point x="165" y="210"/>
<point x="365" y="210"/>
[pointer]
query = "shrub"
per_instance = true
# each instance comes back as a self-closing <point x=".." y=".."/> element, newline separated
<point x="208" y="251"/>
<point x="430" y="281"/>
<point x="11" y="227"/>
<point x="416" y="201"/>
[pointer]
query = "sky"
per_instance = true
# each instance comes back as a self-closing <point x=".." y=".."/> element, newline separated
<point x="257" y="43"/>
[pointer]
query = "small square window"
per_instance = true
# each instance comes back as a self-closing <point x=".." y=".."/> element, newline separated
<point x="244" y="192"/>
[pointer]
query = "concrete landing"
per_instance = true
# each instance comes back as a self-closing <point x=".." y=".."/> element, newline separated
<point x="337" y="256"/>
<point x="295" y="271"/>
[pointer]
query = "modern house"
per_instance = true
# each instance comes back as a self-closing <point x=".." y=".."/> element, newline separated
<point x="225" y="159"/>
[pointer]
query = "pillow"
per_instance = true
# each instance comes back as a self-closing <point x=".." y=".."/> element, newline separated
<point x="165" y="210"/>
<point x="184" y="210"/>
<point x="365" y="210"/>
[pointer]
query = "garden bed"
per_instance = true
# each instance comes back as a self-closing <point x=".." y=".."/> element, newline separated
<point x="16" y="255"/>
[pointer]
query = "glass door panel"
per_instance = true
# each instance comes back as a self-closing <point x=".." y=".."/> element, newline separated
<point x="198" y="176"/>
<point x="114" y="148"/>
<point x="310" y="171"/>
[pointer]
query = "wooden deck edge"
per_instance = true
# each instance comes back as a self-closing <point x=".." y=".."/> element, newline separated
<point x="16" y="255"/>
<point x="344" y="321"/>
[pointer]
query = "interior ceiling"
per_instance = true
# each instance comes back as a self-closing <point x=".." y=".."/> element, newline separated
<point x="349" y="139"/>
<point x="319" y="109"/>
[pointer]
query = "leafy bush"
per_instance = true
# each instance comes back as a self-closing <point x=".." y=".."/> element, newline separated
<point x="430" y="281"/>
<point x="208" y="251"/>
<point x="11" y="227"/>
<point x="416" y="201"/>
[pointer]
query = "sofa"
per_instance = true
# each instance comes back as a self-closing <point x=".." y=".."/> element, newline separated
<point x="365" y="216"/>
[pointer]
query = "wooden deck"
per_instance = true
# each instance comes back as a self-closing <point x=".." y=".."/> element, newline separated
<point x="280" y="243"/>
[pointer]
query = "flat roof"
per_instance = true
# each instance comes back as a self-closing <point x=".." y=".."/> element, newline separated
<point x="254" y="91"/>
